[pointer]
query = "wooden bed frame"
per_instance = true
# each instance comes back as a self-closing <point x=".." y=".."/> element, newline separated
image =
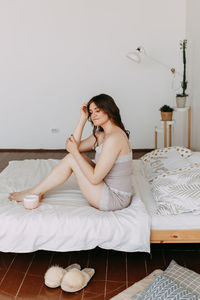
<point x="175" y="236"/>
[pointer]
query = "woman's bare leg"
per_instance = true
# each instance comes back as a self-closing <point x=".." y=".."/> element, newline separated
<point x="59" y="175"/>
<point x="91" y="192"/>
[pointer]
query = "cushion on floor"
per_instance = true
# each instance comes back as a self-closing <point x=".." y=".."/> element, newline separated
<point x="164" y="288"/>
<point x="176" y="282"/>
<point x="188" y="279"/>
<point x="139" y="286"/>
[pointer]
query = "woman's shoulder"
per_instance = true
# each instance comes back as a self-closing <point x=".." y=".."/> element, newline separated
<point x="119" y="140"/>
<point x="118" y="135"/>
<point x="115" y="138"/>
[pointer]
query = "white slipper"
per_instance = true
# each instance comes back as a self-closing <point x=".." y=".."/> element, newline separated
<point x="54" y="275"/>
<point x="73" y="266"/>
<point x="74" y="280"/>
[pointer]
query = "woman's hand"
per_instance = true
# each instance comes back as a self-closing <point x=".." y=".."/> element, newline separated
<point x="84" y="111"/>
<point x="71" y="144"/>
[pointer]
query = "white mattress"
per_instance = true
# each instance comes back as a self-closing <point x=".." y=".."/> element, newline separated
<point x="181" y="221"/>
<point x="65" y="221"/>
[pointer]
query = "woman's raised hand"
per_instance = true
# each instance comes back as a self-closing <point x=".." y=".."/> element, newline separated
<point x="71" y="144"/>
<point x="84" y="111"/>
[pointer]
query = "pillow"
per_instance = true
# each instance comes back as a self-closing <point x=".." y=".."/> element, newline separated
<point x="165" y="288"/>
<point x="177" y="191"/>
<point x="182" y="151"/>
<point x="188" y="279"/>
<point x="194" y="157"/>
<point x="163" y="160"/>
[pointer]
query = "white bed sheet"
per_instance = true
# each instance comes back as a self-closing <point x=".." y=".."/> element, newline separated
<point x="159" y="222"/>
<point x="65" y="221"/>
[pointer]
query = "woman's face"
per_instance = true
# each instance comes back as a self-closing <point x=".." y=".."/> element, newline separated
<point x="97" y="115"/>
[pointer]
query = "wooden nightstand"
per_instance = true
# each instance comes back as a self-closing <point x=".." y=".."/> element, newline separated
<point x="167" y="126"/>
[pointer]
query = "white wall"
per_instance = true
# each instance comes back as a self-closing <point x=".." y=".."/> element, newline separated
<point x="193" y="36"/>
<point x="55" y="54"/>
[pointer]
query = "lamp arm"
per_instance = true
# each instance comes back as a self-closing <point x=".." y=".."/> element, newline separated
<point x="136" y="56"/>
<point x="172" y="69"/>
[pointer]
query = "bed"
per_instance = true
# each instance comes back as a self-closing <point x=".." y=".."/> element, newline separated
<point x="169" y="228"/>
<point x="65" y="221"/>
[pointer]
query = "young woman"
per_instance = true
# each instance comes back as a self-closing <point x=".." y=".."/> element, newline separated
<point x="106" y="184"/>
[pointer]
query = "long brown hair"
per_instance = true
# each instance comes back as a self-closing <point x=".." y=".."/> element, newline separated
<point x="108" y="105"/>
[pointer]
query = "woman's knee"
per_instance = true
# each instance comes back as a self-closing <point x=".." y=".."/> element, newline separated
<point x="69" y="159"/>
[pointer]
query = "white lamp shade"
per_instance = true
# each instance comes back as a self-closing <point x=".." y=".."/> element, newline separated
<point x="135" y="56"/>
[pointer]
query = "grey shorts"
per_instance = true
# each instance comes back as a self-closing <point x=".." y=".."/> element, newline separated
<point x="113" y="200"/>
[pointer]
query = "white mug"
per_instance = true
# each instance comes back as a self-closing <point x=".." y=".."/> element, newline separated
<point x="31" y="201"/>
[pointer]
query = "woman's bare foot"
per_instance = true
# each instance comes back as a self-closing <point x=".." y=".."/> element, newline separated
<point x="19" y="196"/>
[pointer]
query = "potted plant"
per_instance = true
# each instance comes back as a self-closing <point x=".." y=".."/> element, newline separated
<point x="166" y="113"/>
<point x="181" y="98"/>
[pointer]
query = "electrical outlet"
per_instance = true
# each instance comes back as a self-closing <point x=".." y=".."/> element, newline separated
<point x="54" y="130"/>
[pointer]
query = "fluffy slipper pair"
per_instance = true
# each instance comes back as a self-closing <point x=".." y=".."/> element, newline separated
<point x="71" y="279"/>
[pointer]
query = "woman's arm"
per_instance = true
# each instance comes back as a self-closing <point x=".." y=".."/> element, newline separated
<point x="77" y="133"/>
<point x="109" y="154"/>
<point x="87" y="144"/>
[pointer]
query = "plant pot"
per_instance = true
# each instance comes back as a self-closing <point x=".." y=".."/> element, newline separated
<point x="180" y="101"/>
<point x="166" y="115"/>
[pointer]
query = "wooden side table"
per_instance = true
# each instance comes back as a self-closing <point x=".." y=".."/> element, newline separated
<point x="169" y="124"/>
<point x="166" y="124"/>
<point x="188" y="110"/>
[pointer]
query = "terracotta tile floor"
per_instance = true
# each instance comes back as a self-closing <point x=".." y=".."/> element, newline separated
<point x="21" y="275"/>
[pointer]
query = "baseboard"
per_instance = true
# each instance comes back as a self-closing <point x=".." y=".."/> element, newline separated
<point x="32" y="150"/>
<point x="58" y="150"/>
<point x="143" y="150"/>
